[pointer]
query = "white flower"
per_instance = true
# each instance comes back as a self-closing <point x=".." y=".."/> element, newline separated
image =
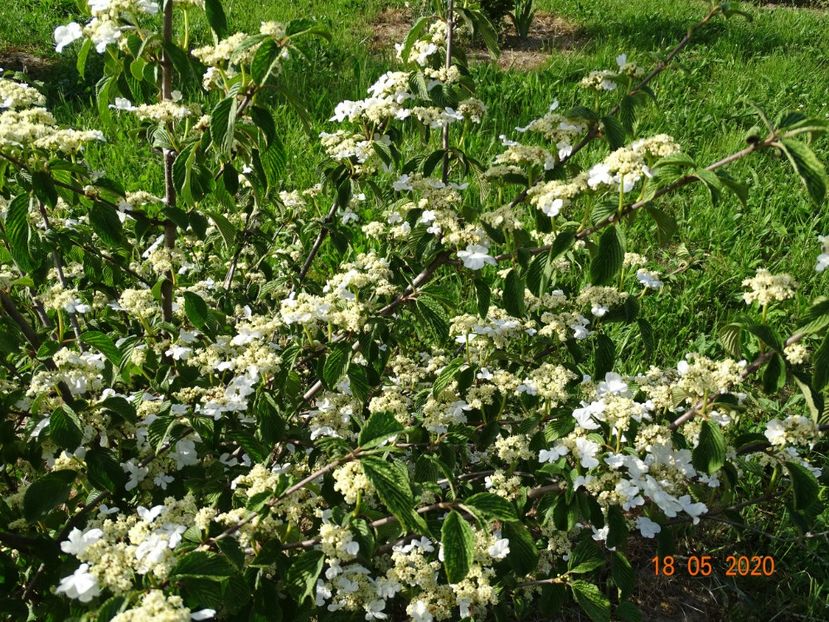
<point x="647" y="527"/>
<point x="374" y="610"/>
<point x="65" y="35"/>
<point x="775" y="432"/>
<point x="476" y="257"/>
<point x="203" y="614"/>
<point x="822" y="262"/>
<point x="419" y="611"/>
<point x="148" y="516"/>
<point x="551" y="455"/>
<point x="694" y="510"/>
<point x="81" y="585"/>
<point x="79" y="541"/>
<point x="648" y="279"/>
<point x="586" y="451"/>
<point x="179" y="353"/>
<point x="500" y="549"/>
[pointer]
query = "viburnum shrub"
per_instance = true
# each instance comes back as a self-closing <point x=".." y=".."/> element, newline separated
<point x="218" y="405"/>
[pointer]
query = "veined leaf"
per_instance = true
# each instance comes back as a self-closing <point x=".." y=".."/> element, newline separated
<point x="458" y="546"/>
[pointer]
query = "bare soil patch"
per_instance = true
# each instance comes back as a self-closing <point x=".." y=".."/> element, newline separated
<point x="17" y="59"/>
<point x="548" y="33"/>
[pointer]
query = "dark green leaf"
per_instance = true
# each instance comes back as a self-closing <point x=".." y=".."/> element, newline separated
<point x="216" y="17"/>
<point x="514" y="293"/>
<point x="709" y="455"/>
<point x="492" y="506"/>
<point x="196" y="309"/>
<point x="591" y="600"/>
<point x="458" y="546"/>
<point x="47" y="493"/>
<point x="609" y="258"/>
<point x="303" y="573"/>
<point x="806" y="487"/>
<point x="103" y="343"/>
<point x="523" y="554"/>
<point x="378" y="428"/>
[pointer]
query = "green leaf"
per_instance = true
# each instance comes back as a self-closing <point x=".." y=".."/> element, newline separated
<point x="103" y="343"/>
<point x="628" y="612"/>
<point x="264" y="61"/>
<point x="379" y="427"/>
<point x="774" y="376"/>
<point x="492" y="506"/>
<point x="514" y="293"/>
<point x="614" y="132"/>
<point x="65" y="428"/>
<point x="458" y="546"/>
<point x="264" y="121"/>
<point x="19" y="232"/>
<point x="415" y="32"/>
<point x="446" y="376"/>
<point x="709" y="455"/>
<point x="591" y="600"/>
<point x="216" y="17"/>
<point x="483" y="297"/>
<point x="622" y="573"/>
<point x="334" y="366"/>
<point x="303" y="573"/>
<point x="225" y="227"/>
<point x="807" y="165"/>
<point x="821" y="364"/>
<point x="806" y="487"/>
<point x="523" y="554"/>
<point x="203" y="565"/>
<point x="104" y="470"/>
<point x="196" y="309"/>
<point x="223" y="125"/>
<point x="605" y="356"/>
<point x="47" y="493"/>
<point x="391" y="481"/>
<point x="666" y="226"/>
<point x="83" y="54"/>
<point x="105" y="223"/>
<point x="617" y="531"/>
<point x="609" y="258"/>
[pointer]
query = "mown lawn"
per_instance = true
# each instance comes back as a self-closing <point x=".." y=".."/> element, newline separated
<point x="779" y="61"/>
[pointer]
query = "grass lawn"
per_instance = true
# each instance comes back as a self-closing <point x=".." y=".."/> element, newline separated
<point x="779" y="61"/>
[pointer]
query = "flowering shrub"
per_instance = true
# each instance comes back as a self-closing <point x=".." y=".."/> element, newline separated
<point x="213" y="413"/>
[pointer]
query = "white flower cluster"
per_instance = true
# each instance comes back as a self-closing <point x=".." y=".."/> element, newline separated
<point x="110" y="23"/>
<point x="823" y="258"/>
<point x="765" y="287"/>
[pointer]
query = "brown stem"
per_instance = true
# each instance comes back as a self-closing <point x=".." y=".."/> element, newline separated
<point x="306" y="266"/>
<point x="169" y="159"/>
<point x="450" y="27"/>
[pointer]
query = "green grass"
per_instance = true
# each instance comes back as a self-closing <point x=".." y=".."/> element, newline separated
<point x="779" y="61"/>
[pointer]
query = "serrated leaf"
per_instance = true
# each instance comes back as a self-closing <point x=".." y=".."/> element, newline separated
<point x="334" y="366"/>
<point x="106" y="224"/>
<point x="709" y="454"/>
<point x="47" y="493"/>
<point x="104" y="470"/>
<point x="104" y="344"/>
<point x="492" y="506"/>
<point x="622" y="573"/>
<point x="391" y="481"/>
<point x="65" y="428"/>
<point x="820" y="361"/>
<point x="446" y="375"/>
<point x="807" y="165"/>
<point x="216" y="17"/>
<point x="303" y="573"/>
<point x="617" y="531"/>
<point x="609" y="258"/>
<point x="605" y="356"/>
<point x="614" y="132"/>
<point x="379" y="427"/>
<point x="806" y="487"/>
<point x="591" y="600"/>
<point x="483" y="297"/>
<point x="523" y="554"/>
<point x="458" y="546"/>
<point x="264" y="61"/>
<point x="196" y="309"/>
<point x="666" y="226"/>
<point x="223" y="125"/>
<point x="203" y="565"/>
<point x="774" y="376"/>
<point x="19" y="233"/>
<point x="513" y="300"/>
